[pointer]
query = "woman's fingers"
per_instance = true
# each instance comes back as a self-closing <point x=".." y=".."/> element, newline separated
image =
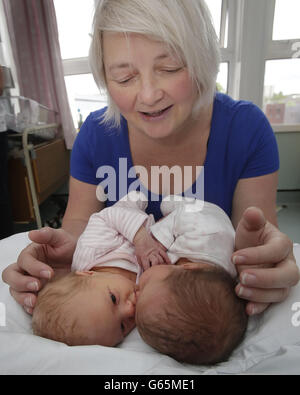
<point x="27" y="300"/>
<point x="15" y="277"/>
<point x="285" y="274"/>
<point x="276" y="248"/>
<point x="262" y="295"/>
<point x="256" y="308"/>
<point x="29" y="261"/>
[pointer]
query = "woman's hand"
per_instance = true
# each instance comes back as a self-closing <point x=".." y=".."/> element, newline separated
<point x="149" y="252"/>
<point x="264" y="260"/>
<point x="50" y="253"/>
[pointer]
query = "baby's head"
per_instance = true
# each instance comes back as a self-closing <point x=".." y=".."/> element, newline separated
<point x="192" y="315"/>
<point x="83" y="308"/>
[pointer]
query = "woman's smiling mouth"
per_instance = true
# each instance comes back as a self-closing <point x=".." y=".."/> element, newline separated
<point x="156" y="115"/>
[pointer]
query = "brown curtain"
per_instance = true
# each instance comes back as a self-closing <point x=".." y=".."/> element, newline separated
<point x="34" y="39"/>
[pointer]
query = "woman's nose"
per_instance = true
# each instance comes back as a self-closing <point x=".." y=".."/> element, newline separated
<point x="150" y="93"/>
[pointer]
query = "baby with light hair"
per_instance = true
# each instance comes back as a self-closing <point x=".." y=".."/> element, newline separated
<point x="95" y="303"/>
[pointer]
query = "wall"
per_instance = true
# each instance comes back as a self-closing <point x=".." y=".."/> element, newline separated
<point x="289" y="151"/>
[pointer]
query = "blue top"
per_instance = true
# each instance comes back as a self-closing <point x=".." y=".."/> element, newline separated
<point x="241" y="145"/>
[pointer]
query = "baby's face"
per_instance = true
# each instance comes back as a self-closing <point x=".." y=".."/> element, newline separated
<point x="107" y="310"/>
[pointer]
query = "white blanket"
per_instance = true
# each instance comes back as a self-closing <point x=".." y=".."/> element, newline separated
<point x="271" y="345"/>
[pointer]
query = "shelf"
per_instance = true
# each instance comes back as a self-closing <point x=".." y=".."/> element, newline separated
<point x="39" y="171"/>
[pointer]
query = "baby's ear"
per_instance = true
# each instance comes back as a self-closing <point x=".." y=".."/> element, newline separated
<point x="190" y="266"/>
<point x="84" y="273"/>
<point x="193" y="265"/>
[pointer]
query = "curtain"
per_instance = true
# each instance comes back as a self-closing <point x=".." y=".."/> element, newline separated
<point x="34" y="39"/>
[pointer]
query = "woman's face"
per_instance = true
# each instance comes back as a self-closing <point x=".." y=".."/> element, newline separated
<point x="150" y="86"/>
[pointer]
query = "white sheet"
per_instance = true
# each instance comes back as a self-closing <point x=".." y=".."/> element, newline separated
<point x="272" y="343"/>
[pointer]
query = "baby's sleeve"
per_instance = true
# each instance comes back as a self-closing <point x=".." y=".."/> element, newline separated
<point x="126" y="221"/>
<point x="163" y="230"/>
<point x="97" y="240"/>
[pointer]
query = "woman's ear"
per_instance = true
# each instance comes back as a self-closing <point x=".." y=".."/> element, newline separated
<point x="84" y="273"/>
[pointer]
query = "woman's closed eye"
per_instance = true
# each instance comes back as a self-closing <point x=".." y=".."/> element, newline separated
<point x="173" y="70"/>
<point x="125" y="80"/>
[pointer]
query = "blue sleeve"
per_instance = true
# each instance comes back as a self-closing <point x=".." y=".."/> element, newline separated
<point x="83" y="154"/>
<point x="262" y="150"/>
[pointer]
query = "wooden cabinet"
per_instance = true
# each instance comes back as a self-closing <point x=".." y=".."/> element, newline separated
<point x="49" y="165"/>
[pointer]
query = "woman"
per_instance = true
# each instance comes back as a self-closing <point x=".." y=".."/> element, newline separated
<point x="158" y="61"/>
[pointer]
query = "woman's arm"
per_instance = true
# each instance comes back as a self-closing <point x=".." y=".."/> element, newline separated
<point x="259" y="192"/>
<point x="82" y="204"/>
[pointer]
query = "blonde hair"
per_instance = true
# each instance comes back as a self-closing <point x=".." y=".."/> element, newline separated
<point x="52" y="316"/>
<point x="185" y="26"/>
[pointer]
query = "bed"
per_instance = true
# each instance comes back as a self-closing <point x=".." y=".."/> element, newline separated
<point x="271" y="345"/>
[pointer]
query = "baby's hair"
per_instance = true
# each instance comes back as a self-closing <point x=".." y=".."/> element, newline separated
<point x="201" y="320"/>
<point x="51" y="316"/>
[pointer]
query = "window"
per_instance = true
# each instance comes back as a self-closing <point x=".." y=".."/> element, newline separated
<point x="6" y="56"/>
<point x="219" y="12"/>
<point x="222" y="80"/>
<point x="83" y="96"/>
<point x="74" y="26"/>
<point x="286" y="20"/>
<point x="215" y="7"/>
<point x="282" y="91"/>
<point x="74" y="39"/>
<point x="281" y="101"/>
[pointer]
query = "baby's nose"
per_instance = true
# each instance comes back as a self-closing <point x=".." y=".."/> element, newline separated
<point x="129" y="309"/>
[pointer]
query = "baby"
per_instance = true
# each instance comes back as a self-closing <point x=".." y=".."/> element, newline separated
<point x="190" y="311"/>
<point x="95" y="303"/>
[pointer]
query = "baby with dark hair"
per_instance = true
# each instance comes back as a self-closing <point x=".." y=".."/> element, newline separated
<point x="189" y="310"/>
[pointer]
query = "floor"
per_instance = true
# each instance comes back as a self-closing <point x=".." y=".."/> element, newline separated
<point x="288" y="213"/>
